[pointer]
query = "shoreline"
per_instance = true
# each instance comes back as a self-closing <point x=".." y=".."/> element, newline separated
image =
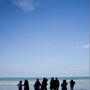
<point x="34" y="78"/>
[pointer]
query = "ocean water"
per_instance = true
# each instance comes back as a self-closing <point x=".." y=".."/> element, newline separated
<point x="82" y="83"/>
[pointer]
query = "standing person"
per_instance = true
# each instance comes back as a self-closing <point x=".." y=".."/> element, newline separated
<point x="52" y="84"/>
<point x="72" y="84"/>
<point x="37" y="85"/>
<point x="57" y="84"/>
<point x="19" y="85"/>
<point x="44" y="84"/>
<point x="26" y="85"/>
<point x="64" y="85"/>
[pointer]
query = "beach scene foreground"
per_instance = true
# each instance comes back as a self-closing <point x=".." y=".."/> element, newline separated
<point x="82" y="83"/>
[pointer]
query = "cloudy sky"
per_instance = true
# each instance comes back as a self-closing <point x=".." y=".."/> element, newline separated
<point x="44" y="38"/>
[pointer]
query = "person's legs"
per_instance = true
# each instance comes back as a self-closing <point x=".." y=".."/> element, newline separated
<point x="71" y="88"/>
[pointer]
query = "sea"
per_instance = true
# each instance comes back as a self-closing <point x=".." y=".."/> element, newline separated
<point x="82" y="83"/>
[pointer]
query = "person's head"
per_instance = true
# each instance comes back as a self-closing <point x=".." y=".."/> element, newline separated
<point x="56" y="78"/>
<point x="64" y="81"/>
<point x="44" y="78"/>
<point x="26" y="81"/>
<point x="52" y="78"/>
<point x="37" y="79"/>
<point x="20" y="81"/>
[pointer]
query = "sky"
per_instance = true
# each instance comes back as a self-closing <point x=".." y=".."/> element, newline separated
<point x="44" y="38"/>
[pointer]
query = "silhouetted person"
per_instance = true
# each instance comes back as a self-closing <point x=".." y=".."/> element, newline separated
<point x="64" y="85"/>
<point x="44" y="84"/>
<point x="37" y="85"/>
<point x="19" y="85"/>
<point x="26" y="85"/>
<point x="57" y="84"/>
<point x="72" y="84"/>
<point x="52" y="84"/>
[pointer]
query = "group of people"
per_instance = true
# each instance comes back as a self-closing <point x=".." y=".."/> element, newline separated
<point x="64" y="85"/>
<point x="26" y="85"/>
<point x="54" y="84"/>
<point x="41" y="86"/>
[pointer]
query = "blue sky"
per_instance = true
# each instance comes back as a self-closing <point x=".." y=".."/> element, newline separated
<point x="44" y="38"/>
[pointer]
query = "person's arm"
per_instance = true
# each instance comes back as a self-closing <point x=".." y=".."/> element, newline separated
<point x="18" y="84"/>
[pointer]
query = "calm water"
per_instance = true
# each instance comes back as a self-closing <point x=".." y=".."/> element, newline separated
<point x="82" y="83"/>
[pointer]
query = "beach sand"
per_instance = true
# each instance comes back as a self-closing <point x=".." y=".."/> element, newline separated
<point x="12" y="85"/>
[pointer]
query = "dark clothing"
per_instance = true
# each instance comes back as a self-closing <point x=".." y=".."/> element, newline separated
<point x="26" y="85"/>
<point x="72" y="84"/>
<point x="19" y="86"/>
<point x="56" y="84"/>
<point x="37" y="85"/>
<point x="43" y="87"/>
<point x="52" y="84"/>
<point x="44" y="84"/>
<point x="64" y="85"/>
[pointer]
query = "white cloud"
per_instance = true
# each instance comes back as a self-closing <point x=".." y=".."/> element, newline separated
<point x="87" y="46"/>
<point x="84" y="46"/>
<point x="27" y="4"/>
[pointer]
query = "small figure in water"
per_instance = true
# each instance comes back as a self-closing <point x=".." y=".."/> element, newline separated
<point x="26" y="85"/>
<point x="37" y="85"/>
<point x="72" y="84"/>
<point x="19" y="85"/>
<point x="64" y="85"/>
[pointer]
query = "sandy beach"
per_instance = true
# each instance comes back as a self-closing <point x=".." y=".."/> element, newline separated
<point x="12" y="85"/>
